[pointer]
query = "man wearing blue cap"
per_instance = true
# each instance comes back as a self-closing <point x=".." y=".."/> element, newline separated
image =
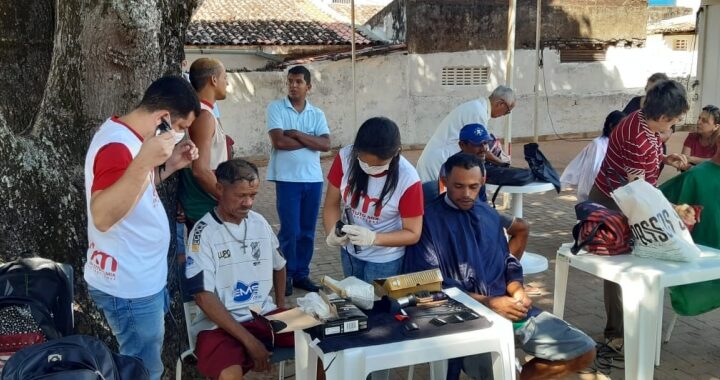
<point x="474" y="140"/>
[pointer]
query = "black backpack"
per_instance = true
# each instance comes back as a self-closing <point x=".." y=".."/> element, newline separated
<point x="75" y="357"/>
<point x="35" y="302"/>
<point x="540" y="166"/>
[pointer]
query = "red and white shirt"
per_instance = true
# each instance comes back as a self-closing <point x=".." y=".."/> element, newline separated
<point x="633" y="150"/>
<point x="130" y="259"/>
<point x="405" y="202"/>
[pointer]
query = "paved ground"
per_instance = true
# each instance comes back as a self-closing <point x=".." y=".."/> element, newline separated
<point x="692" y="353"/>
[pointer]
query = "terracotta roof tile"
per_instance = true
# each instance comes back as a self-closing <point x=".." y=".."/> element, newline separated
<point x="267" y="22"/>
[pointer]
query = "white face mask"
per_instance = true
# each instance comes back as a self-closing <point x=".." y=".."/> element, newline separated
<point x="178" y="136"/>
<point x="373" y="170"/>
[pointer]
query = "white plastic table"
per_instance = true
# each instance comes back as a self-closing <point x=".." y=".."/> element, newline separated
<point x="357" y="363"/>
<point x="531" y="262"/>
<point x="643" y="282"/>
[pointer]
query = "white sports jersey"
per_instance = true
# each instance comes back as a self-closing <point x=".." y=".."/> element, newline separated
<point x="130" y="259"/>
<point x="234" y="261"/>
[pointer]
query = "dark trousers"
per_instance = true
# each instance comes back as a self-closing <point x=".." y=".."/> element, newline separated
<point x="612" y="293"/>
<point x="298" y="204"/>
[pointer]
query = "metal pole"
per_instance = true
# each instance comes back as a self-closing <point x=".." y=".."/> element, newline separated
<point x="352" y="62"/>
<point x="538" y="26"/>
<point x="510" y="63"/>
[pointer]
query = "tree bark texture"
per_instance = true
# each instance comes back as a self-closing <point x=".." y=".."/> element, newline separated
<point x="66" y="66"/>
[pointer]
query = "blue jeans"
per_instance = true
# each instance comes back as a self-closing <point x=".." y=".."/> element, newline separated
<point x="298" y="204"/>
<point x="138" y="325"/>
<point x="367" y="271"/>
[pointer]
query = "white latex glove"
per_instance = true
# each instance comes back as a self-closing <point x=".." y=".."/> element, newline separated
<point x="333" y="240"/>
<point x="359" y="235"/>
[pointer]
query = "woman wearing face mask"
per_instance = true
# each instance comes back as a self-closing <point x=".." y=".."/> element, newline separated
<point x="378" y="194"/>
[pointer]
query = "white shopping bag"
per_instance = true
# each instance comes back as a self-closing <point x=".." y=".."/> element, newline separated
<point x="658" y="230"/>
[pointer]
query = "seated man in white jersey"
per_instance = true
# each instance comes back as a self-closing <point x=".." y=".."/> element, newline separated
<point x="233" y="263"/>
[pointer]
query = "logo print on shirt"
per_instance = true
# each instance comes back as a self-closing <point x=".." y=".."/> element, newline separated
<point x="224" y="254"/>
<point x="104" y="264"/>
<point x="244" y="292"/>
<point x="365" y="203"/>
<point x="199" y="227"/>
<point x="189" y="262"/>
<point x="255" y="246"/>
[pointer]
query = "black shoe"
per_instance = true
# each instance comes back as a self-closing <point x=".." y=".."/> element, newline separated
<point x="306" y="284"/>
<point x="288" y="287"/>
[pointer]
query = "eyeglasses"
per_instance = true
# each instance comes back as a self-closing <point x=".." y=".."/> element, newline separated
<point x="508" y="109"/>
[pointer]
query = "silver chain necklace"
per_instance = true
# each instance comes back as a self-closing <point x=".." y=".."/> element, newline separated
<point x="243" y="222"/>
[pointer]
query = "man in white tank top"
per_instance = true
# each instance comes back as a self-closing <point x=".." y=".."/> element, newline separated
<point x="198" y="193"/>
<point x="128" y="231"/>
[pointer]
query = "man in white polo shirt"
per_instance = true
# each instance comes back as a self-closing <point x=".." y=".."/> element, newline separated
<point x="444" y="142"/>
<point x="298" y="132"/>
<point x="128" y="229"/>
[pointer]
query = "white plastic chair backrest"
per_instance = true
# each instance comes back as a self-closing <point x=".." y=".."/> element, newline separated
<point x="190" y="309"/>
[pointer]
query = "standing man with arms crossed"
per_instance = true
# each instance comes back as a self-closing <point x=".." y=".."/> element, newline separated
<point x="198" y="192"/>
<point x="128" y="229"/>
<point x="299" y="132"/>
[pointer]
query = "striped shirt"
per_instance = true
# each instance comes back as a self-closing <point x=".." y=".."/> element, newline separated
<point x="633" y="150"/>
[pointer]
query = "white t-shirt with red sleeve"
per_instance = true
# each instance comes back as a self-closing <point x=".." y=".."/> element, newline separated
<point x="130" y="259"/>
<point x="405" y="202"/>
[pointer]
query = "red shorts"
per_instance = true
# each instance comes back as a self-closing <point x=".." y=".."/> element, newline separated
<point x="217" y="350"/>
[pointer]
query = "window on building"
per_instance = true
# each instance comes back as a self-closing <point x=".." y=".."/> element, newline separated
<point x="465" y="76"/>
<point x="340" y="1"/>
<point x="582" y="55"/>
<point x="680" y="44"/>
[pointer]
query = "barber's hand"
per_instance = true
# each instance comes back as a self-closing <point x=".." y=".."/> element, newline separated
<point x="259" y="355"/>
<point x="509" y="307"/>
<point x="183" y="154"/>
<point x="333" y="240"/>
<point x="156" y="150"/>
<point x="679" y="161"/>
<point x="686" y="213"/>
<point x="359" y="235"/>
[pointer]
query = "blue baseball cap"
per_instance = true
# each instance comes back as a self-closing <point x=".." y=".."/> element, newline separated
<point x="475" y="134"/>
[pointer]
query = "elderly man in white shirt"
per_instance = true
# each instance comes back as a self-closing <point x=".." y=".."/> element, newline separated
<point x="444" y="142"/>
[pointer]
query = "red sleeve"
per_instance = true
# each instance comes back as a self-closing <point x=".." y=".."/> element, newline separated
<point x="110" y="164"/>
<point x="689" y="142"/>
<point x="336" y="172"/>
<point x="411" y="202"/>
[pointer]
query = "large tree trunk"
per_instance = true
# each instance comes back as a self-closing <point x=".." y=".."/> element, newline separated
<point x="65" y="70"/>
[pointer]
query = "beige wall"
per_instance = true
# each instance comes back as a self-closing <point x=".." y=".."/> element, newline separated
<point x="407" y="89"/>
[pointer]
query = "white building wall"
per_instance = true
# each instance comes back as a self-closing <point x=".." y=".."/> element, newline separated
<point x="407" y="89"/>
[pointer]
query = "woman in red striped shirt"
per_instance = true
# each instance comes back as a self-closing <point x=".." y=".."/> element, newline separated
<point x="635" y="151"/>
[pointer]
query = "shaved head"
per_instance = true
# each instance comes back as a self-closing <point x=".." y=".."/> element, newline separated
<point x="202" y="70"/>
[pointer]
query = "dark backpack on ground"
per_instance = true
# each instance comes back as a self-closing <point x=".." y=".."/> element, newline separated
<point x="35" y="303"/>
<point x="600" y="230"/>
<point x="75" y="357"/>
